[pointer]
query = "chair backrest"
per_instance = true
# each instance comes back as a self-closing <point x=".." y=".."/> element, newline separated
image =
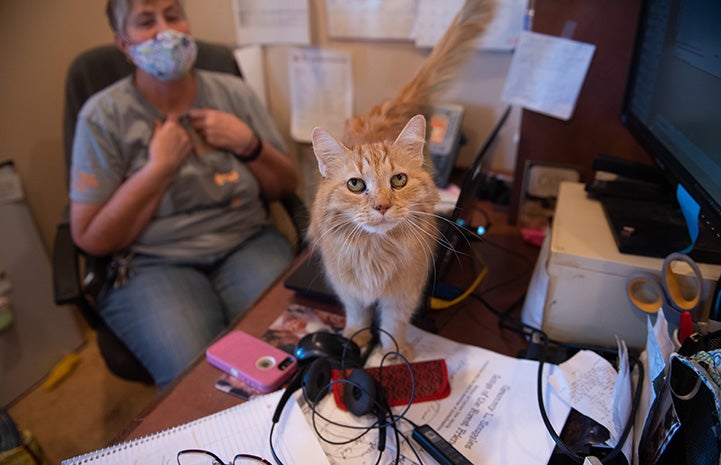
<point x="98" y="67"/>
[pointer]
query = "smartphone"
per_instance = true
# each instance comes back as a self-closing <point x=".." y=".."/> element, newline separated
<point x="255" y="362"/>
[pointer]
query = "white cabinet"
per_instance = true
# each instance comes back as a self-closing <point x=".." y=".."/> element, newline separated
<point x="578" y="289"/>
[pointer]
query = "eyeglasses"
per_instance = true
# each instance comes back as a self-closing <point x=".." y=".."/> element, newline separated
<point x="204" y="457"/>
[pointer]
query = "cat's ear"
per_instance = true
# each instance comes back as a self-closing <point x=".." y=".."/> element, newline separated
<point x="412" y="138"/>
<point x="326" y="148"/>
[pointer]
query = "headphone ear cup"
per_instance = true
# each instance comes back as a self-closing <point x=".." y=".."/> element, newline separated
<point x="316" y="379"/>
<point x="359" y="393"/>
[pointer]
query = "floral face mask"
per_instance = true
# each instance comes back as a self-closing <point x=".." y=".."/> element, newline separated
<point x="167" y="56"/>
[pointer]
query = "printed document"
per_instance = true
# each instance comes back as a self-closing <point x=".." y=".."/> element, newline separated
<point x="547" y="73"/>
<point x="387" y="19"/>
<point x="491" y="415"/>
<point x="271" y="22"/>
<point x="321" y="91"/>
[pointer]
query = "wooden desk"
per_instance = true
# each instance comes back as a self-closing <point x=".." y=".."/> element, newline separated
<point x="510" y="261"/>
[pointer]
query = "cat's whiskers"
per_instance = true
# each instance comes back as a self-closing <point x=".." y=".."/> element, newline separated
<point x="335" y="226"/>
<point x="352" y="236"/>
<point x="416" y="230"/>
<point x="444" y="240"/>
<point x="441" y="239"/>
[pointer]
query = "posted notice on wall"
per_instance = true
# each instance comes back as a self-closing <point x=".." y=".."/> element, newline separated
<point x="321" y="91"/>
<point x="547" y="73"/>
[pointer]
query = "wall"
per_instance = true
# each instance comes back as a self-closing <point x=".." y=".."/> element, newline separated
<point x="38" y="39"/>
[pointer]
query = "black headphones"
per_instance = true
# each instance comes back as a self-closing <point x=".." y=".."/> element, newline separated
<point x="318" y="354"/>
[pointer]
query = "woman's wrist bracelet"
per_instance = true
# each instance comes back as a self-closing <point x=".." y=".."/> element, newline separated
<point x="254" y="153"/>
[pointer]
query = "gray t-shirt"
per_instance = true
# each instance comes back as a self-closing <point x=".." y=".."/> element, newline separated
<point x="214" y="202"/>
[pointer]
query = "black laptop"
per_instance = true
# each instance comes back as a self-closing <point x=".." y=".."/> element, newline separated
<point x="308" y="278"/>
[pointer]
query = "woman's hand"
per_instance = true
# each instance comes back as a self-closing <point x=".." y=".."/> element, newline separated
<point x="274" y="170"/>
<point x="222" y="130"/>
<point x="169" y="146"/>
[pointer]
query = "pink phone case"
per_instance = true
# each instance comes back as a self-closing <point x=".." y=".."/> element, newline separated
<point x="252" y="360"/>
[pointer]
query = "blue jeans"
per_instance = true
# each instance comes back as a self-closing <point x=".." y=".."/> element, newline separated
<point x="169" y="310"/>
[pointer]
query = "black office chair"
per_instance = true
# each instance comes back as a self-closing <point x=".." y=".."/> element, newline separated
<point x="78" y="277"/>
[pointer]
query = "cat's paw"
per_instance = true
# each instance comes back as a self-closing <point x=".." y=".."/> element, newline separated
<point x="405" y="349"/>
<point x="362" y="339"/>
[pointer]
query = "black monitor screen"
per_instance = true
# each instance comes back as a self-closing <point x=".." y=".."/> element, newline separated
<point x="673" y="101"/>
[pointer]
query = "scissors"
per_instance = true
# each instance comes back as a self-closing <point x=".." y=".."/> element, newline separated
<point x="649" y="295"/>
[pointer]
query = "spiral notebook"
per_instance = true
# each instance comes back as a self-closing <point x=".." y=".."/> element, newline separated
<point x="244" y="428"/>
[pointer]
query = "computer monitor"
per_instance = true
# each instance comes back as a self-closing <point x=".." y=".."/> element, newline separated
<point x="673" y="99"/>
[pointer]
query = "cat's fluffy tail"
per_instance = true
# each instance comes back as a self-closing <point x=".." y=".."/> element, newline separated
<point x="457" y="43"/>
<point x="431" y="80"/>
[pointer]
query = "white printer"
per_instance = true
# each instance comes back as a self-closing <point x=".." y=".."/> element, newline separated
<point x="578" y="289"/>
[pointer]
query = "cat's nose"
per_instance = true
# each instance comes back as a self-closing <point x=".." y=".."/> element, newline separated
<point x="382" y="207"/>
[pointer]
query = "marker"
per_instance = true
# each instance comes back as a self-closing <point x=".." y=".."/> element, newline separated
<point x="685" y="327"/>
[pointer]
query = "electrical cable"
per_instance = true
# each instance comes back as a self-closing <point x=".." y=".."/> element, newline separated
<point x="505" y="321"/>
<point x="529" y="330"/>
<point x="389" y="418"/>
<point x="440" y="304"/>
<point x="618" y="448"/>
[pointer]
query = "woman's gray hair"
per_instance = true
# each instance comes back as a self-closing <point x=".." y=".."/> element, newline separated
<point x="117" y="12"/>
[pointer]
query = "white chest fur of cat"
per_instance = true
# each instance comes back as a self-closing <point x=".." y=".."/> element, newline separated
<point x="372" y="218"/>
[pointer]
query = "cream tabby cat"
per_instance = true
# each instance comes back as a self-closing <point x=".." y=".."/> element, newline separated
<point x="372" y="218"/>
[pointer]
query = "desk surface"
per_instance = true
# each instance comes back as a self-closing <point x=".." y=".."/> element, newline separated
<point x="510" y="262"/>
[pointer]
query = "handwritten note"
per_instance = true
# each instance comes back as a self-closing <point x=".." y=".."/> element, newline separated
<point x="547" y="73"/>
<point x="593" y="387"/>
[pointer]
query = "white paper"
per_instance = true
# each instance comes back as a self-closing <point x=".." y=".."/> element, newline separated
<point x="586" y="381"/>
<point x="371" y="19"/>
<point x="321" y="91"/>
<point x="655" y="359"/>
<point x="547" y="73"/>
<point x="434" y="17"/>
<point x="271" y="22"/>
<point x="622" y="402"/>
<point x="243" y="428"/>
<point x="659" y="347"/>
<point x="250" y="62"/>
<point x="593" y="387"/>
<point x="10" y="188"/>
<point x="491" y="415"/>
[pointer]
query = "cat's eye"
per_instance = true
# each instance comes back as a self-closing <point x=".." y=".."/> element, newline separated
<point x="399" y="180"/>
<point x="356" y="185"/>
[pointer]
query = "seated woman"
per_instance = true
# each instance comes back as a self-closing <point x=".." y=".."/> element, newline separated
<point x="170" y="171"/>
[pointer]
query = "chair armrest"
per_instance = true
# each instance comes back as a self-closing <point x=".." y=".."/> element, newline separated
<point x="299" y="216"/>
<point x="66" y="274"/>
<point x="69" y="287"/>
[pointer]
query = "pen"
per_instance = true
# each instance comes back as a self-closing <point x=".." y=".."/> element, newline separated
<point x="224" y="386"/>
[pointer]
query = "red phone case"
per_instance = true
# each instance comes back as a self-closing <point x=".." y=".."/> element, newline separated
<point x="430" y="378"/>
